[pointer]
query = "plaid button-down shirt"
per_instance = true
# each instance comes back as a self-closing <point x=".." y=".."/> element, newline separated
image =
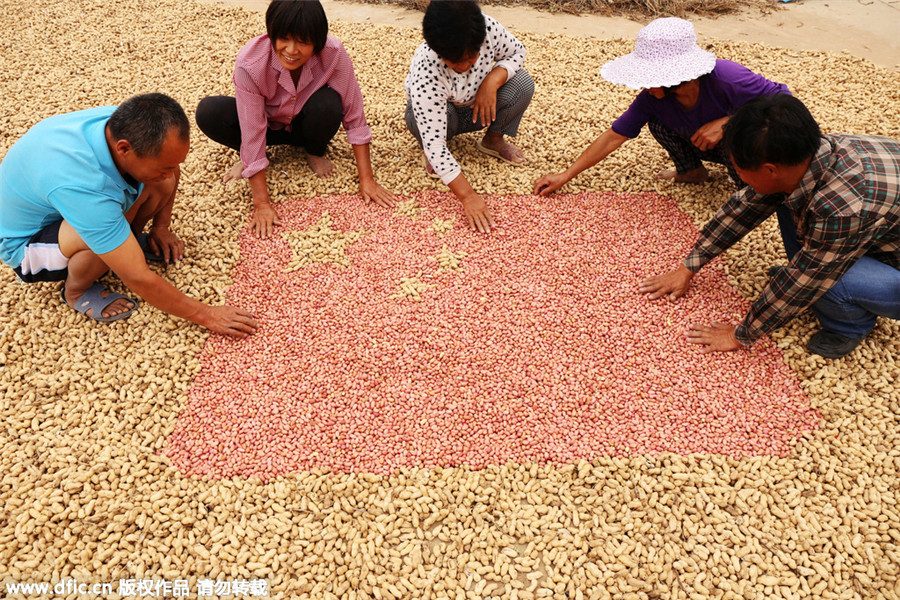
<point x="847" y="205"/>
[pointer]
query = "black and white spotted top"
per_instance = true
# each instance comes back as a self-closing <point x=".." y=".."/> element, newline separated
<point x="431" y="84"/>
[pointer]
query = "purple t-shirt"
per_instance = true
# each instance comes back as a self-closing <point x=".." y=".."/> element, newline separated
<point x="722" y="92"/>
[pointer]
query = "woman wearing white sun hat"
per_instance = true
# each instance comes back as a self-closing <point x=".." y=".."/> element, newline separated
<point x="687" y="96"/>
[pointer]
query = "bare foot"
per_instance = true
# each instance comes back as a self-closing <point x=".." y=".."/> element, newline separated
<point x="117" y="307"/>
<point x="698" y="175"/>
<point x="320" y="165"/>
<point x="495" y="145"/>
<point x="234" y="172"/>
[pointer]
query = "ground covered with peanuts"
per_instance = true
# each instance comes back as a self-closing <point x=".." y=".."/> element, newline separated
<point x="91" y="481"/>
<point x="403" y="344"/>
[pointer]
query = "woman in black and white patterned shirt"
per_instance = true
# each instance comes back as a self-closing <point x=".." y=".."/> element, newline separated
<point x="466" y="76"/>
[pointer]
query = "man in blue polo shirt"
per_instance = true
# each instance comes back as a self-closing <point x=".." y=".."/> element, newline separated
<point x="77" y="190"/>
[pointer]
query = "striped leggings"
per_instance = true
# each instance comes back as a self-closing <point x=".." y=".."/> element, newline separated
<point x="513" y="98"/>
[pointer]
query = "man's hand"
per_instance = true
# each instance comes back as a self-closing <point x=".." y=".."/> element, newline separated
<point x="718" y="337"/>
<point x="548" y="184"/>
<point x="673" y="284"/>
<point x="477" y="213"/>
<point x="708" y="136"/>
<point x="226" y="320"/>
<point x="126" y="262"/>
<point x="264" y="220"/>
<point x="164" y="242"/>
<point x="372" y="192"/>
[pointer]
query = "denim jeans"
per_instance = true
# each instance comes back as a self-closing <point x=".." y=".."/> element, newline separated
<point x="869" y="289"/>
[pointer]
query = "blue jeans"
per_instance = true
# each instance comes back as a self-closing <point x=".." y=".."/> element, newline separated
<point x="869" y="289"/>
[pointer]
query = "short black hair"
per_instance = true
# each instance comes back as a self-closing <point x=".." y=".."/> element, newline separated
<point x="454" y="29"/>
<point x="302" y="20"/>
<point x="776" y="129"/>
<point x="145" y="120"/>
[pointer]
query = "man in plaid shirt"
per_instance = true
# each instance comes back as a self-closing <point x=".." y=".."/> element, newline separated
<point x="838" y="203"/>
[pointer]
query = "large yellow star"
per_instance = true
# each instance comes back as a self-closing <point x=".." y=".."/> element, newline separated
<point x="321" y="243"/>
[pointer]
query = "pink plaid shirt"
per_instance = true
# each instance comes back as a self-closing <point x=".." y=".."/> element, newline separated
<point x="267" y="98"/>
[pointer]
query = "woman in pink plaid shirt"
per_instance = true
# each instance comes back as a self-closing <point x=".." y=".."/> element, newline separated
<point x="293" y="85"/>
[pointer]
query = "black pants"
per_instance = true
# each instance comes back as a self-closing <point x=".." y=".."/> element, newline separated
<point x="311" y="129"/>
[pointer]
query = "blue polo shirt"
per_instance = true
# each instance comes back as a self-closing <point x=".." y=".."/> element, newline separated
<point x="61" y="169"/>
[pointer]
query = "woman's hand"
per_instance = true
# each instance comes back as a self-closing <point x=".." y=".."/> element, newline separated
<point x="368" y="188"/>
<point x="477" y="213"/>
<point x="550" y="183"/>
<point x="484" y="109"/>
<point x="264" y="216"/>
<point x="708" y="136"/>
<point x="264" y="220"/>
<point x="372" y="192"/>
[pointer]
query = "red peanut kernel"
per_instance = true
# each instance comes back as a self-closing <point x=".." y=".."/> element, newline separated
<point x="539" y="349"/>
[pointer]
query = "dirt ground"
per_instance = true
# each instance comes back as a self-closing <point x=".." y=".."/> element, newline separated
<point x="868" y="29"/>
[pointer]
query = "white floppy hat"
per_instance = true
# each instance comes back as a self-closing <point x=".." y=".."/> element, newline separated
<point x="665" y="54"/>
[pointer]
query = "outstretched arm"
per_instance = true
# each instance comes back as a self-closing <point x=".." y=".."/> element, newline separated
<point x="251" y="108"/>
<point x="602" y="147"/>
<point x="127" y="261"/>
